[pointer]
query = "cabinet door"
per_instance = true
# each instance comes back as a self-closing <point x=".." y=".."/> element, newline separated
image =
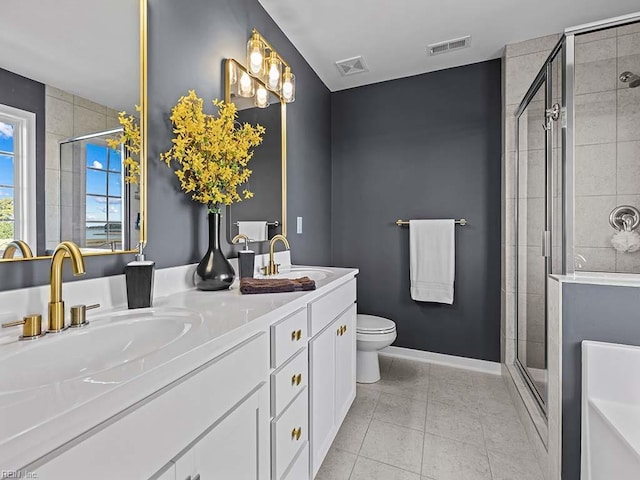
<point x="345" y="363"/>
<point x="238" y="446"/>
<point x="322" y="369"/>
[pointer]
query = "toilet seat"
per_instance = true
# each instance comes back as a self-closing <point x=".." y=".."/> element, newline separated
<point x="372" y="325"/>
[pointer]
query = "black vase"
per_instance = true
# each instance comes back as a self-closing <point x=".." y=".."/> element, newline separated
<point x="214" y="271"/>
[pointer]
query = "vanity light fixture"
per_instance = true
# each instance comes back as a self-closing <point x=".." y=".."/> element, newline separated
<point x="288" y="85"/>
<point x="273" y="79"/>
<point x="262" y="97"/>
<point x="255" y="54"/>
<point x="232" y="74"/>
<point x="266" y="64"/>
<point x="245" y="85"/>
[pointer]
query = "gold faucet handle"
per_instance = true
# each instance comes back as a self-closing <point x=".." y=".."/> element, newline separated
<point x="79" y="314"/>
<point x="32" y="326"/>
<point x="271" y="269"/>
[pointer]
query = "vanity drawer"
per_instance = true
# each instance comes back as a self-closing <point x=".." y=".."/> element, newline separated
<point x="300" y="468"/>
<point x="288" y="381"/>
<point x="289" y="433"/>
<point x="287" y="336"/>
<point x="324" y="310"/>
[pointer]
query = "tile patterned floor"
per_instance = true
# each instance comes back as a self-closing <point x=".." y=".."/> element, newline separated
<point x="431" y="422"/>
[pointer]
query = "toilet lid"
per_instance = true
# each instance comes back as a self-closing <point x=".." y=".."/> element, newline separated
<point x="373" y="324"/>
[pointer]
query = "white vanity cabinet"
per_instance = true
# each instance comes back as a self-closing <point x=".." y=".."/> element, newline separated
<point x="234" y="447"/>
<point x="217" y="415"/>
<point x="332" y="367"/>
<point x="256" y="399"/>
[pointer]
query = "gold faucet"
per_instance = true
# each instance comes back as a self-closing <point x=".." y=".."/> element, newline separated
<point x="272" y="268"/>
<point x="14" y="245"/>
<point x="56" y="305"/>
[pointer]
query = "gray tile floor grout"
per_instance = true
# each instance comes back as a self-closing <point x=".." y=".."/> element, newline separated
<point x="464" y="423"/>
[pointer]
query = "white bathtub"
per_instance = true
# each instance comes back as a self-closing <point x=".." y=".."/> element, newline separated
<point x="610" y="411"/>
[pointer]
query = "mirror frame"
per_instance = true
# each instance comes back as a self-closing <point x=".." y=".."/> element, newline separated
<point x="230" y="63"/>
<point x="144" y="122"/>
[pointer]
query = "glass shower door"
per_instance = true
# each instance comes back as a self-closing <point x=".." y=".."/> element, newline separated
<point x="539" y="220"/>
<point x="532" y="243"/>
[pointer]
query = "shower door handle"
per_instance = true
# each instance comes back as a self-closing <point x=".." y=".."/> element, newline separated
<point x="546" y="244"/>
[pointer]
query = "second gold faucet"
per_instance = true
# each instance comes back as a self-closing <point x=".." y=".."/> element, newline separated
<point x="272" y="267"/>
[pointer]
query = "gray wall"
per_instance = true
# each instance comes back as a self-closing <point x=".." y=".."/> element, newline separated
<point x="422" y="147"/>
<point x="589" y="312"/>
<point x="187" y="44"/>
<point x="21" y="92"/>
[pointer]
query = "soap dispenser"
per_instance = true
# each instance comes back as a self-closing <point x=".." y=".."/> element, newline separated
<point x="246" y="257"/>
<point x="139" y="275"/>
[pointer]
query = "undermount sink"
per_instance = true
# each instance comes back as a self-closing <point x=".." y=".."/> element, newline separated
<point x="108" y="342"/>
<point x="313" y="273"/>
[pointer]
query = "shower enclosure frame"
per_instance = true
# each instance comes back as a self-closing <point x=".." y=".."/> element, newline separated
<point x="544" y="79"/>
<point x="566" y="48"/>
<point x="126" y="233"/>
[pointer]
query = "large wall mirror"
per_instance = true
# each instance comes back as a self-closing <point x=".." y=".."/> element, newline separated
<point x="67" y="68"/>
<point x="264" y="215"/>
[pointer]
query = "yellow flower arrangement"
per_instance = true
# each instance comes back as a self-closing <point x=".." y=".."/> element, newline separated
<point x="130" y="139"/>
<point x="211" y="152"/>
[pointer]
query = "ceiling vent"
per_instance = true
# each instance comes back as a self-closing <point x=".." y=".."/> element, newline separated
<point x="351" y="66"/>
<point x="449" y="45"/>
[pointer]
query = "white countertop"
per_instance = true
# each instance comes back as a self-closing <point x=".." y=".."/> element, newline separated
<point x="33" y="422"/>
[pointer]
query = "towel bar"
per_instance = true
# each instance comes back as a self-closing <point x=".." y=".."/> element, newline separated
<point x="462" y="221"/>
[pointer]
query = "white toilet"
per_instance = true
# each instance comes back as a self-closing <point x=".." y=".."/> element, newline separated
<point x="372" y="335"/>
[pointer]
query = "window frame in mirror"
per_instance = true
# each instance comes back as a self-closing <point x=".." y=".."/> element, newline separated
<point x="144" y="121"/>
<point x="229" y="65"/>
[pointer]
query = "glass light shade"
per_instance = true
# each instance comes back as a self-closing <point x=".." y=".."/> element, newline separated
<point x="245" y="85"/>
<point x="255" y="56"/>
<point x="273" y="74"/>
<point x="233" y="73"/>
<point x="288" y="86"/>
<point x="262" y="97"/>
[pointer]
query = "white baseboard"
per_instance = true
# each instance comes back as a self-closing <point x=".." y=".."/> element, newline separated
<point x="494" y="368"/>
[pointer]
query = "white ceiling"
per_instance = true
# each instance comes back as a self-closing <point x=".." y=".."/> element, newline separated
<point x="392" y="35"/>
<point x="86" y="47"/>
<point x="90" y="47"/>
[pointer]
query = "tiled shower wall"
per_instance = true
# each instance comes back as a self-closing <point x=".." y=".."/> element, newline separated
<point x="67" y="116"/>
<point x="607" y="136"/>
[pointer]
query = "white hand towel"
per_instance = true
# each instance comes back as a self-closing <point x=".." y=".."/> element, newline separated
<point x="432" y="260"/>
<point x="256" y="231"/>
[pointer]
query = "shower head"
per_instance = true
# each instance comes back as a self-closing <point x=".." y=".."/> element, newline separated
<point x="631" y="78"/>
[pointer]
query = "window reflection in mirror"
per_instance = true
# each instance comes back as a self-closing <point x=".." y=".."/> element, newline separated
<point x="99" y="209"/>
<point x="17" y="176"/>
